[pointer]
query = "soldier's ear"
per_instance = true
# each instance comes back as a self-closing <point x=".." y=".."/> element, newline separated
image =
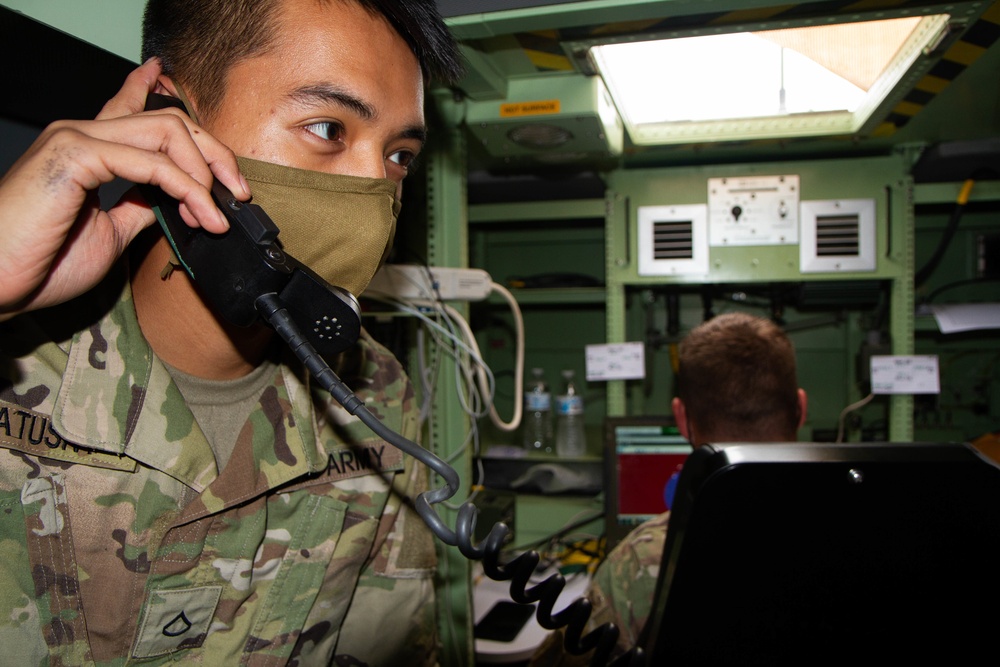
<point x="803" y="404"/>
<point x="166" y="86"/>
<point x="680" y="417"/>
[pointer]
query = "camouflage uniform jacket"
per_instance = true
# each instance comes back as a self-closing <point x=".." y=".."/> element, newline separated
<point x="121" y="543"/>
<point x="622" y="592"/>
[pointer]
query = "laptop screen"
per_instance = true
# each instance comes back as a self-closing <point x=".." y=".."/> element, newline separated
<point x="642" y="455"/>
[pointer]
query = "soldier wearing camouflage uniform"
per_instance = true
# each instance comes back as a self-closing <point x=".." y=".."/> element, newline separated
<point x="151" y="515"/>
<point x="736" y="382"/>
<point x="115" y="516"/>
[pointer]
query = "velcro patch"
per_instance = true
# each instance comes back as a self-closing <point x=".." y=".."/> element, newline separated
<point x="31" y="432"/>
<point x="176" y="619"/>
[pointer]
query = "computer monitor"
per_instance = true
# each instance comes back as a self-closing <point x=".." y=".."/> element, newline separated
<point x="819" y="554"/>
<point x="640" y="456"/>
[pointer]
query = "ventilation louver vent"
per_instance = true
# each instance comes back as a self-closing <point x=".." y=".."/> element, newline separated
<point x="673" y="239"/>
<point x="837" y="235"/>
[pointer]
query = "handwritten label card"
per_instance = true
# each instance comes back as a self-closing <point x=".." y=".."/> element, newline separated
<point x="900" y="374"/>
<point x="621" y="361"/>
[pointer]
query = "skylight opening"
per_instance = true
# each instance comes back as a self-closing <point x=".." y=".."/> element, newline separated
<point x="790" y="82"/>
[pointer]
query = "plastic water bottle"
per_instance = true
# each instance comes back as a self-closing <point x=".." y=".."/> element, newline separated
<point x="537" y="414"/>
<point x="570" y="437"/>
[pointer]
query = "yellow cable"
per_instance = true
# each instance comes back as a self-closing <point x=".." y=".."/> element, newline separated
<point x="963" y="195"/>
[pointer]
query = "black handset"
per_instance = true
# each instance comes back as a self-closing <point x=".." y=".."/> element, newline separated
<point x="233" y="270"/>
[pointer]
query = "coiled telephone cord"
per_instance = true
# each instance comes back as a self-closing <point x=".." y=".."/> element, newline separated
<point x="519" y="570"/>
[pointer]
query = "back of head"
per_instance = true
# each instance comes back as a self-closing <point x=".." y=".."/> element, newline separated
<point x="199" y="41"/>
<point x="736" y="377"/>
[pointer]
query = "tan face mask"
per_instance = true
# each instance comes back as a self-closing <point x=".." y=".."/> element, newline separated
<point x="339" y="226"/>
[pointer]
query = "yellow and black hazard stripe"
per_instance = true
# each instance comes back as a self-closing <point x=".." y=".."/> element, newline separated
<point x="544" y="51"/>
<point x="966" y="50"/>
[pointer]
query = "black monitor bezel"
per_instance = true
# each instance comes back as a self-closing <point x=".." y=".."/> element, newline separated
<point x="711" y="464"/>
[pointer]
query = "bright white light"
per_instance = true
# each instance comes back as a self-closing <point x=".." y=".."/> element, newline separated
<point x="805" y="81"/>
<point x="720" y="77"/>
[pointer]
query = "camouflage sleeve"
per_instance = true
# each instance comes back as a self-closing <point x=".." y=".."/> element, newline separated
<point x="622" y="593"/>
<point x="624" y="584"/>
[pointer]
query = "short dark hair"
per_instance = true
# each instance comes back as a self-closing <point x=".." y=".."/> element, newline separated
<point x="736" y="377"/>
<point x="199" y="41"/>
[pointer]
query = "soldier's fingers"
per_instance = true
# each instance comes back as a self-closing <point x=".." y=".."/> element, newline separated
<point x="131" y="98"/>
<point x="83" y="162"/>
<point x="196" y="206"/>
<point x="170" y="132"/>
<point x="220" y="159"/>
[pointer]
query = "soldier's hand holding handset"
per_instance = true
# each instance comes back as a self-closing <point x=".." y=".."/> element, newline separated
<point x="55" y="241"/>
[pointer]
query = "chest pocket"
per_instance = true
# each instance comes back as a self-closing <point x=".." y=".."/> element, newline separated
<point x="39" y="580"/>
<point x="256" y="576"/>
<point x="316" y="548"/>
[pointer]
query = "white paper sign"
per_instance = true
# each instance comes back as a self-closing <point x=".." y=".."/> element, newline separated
<point x="900" y="374"/>
<point x="952" y="318"/>
<point x="620" y="361"/>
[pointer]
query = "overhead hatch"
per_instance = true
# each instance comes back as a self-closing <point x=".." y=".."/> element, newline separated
<point x="792" y="82"/>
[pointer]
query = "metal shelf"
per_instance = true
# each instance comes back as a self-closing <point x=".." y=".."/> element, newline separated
<point x="569" y="209"/>
<point x="947" y="193"/>
<point x="555" y="296"/>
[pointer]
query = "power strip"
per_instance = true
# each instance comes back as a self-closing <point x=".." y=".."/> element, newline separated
<point x="411" y="281"/>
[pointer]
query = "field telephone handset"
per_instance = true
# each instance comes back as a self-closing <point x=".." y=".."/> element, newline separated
<point x="246" y="276"/>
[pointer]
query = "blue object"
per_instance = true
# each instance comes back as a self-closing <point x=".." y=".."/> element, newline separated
<point x="671" y="488"/>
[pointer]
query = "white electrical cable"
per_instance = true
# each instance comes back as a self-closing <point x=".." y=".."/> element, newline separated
<point x="850" y="408"/>
<point x="515" y="311"/>
<point x="487" y="382"/>
<point x="454" y="344"/>
<point x="424" y="377"/>
<point x="482" y="369"/>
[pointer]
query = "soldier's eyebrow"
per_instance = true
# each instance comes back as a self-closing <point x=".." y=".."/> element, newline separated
<point x="326" y="93"/>
<point x="416" y="132"/>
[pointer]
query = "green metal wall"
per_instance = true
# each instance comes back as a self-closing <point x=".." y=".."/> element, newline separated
<point x="113" y="25"/>
<point x="826" y="353"/>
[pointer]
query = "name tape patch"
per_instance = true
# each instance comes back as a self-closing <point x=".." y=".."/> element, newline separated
<point x="31" y="432"/>
<point x="365" y="459"/>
